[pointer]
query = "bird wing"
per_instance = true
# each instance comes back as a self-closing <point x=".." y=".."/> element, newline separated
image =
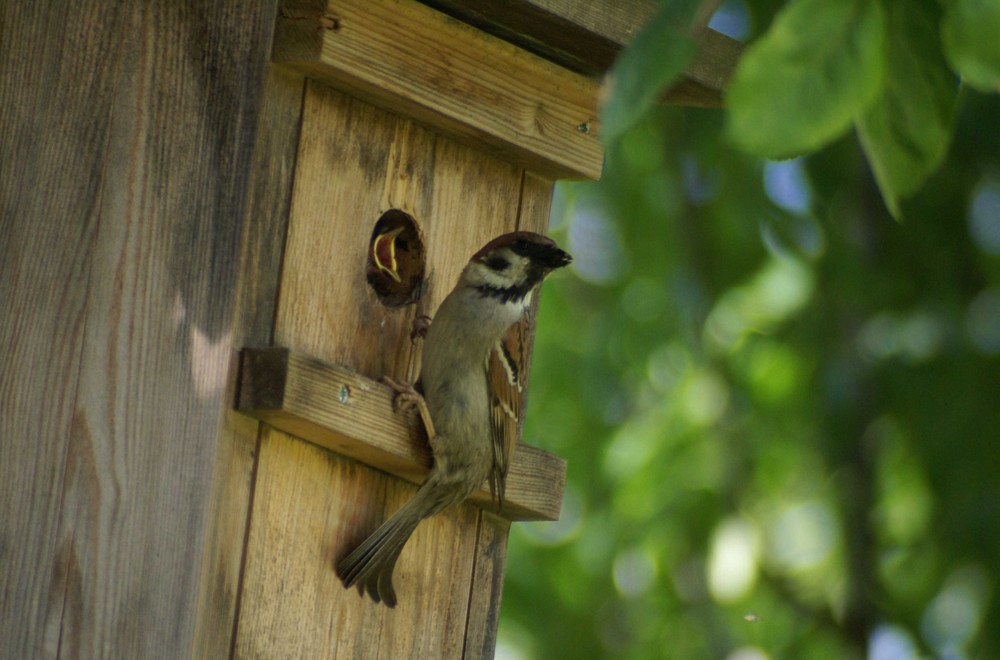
<point x="505" y="376"/>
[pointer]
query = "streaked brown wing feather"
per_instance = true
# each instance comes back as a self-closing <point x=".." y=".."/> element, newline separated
<point x="506" y="385"/>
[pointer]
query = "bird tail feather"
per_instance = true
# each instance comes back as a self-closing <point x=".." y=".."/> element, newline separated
<point x="369" y="567"/>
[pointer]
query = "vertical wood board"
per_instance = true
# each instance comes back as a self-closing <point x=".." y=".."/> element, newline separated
<point x="48" y="194"/>
<point x="356" y="161"/>
<point x="128" y="130"/>
<point x="269" y="186"/>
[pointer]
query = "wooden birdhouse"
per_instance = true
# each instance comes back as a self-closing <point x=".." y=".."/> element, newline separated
<point x="193" y="428"/>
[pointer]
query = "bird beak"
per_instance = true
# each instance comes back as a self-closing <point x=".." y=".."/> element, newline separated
<point x="384" y="252"/>
<point x="552" y="258"/>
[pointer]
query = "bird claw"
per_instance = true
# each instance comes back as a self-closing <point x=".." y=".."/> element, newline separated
<point x="407" y="398"/>
<point x="420" y="326"/>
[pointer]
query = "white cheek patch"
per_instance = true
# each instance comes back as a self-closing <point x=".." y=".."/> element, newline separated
<point x="504" y="279"/>
<point x="494" y="279"/>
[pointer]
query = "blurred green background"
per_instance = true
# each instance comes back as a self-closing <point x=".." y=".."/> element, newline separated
<point x="780" y="406"/>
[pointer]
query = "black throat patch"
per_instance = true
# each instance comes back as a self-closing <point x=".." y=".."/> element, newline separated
<point x="507" y="294"/>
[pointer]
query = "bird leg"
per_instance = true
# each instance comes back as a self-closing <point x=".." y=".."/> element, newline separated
<point x="420" y="326"/>
<point x="407" y="398"/>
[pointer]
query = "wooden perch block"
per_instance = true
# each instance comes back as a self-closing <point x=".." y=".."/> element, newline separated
<point x="459" y="80"/>
<point x="340" y="410"/>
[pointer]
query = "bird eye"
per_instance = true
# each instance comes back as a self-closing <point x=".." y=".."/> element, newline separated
<point x="496" y="262"/>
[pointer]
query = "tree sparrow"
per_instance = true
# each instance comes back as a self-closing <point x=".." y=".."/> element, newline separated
<point x="472" y="393"/>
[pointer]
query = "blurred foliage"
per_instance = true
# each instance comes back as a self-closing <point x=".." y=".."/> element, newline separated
<point x="780" y="407"/>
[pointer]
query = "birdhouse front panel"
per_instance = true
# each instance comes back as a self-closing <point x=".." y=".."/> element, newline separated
<point x="356" y="161"/>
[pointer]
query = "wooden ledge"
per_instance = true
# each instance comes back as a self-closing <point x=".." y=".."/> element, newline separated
<point x="587" y="36"/>
<point x="465" y="83"/>
<point x="337" y="409"/>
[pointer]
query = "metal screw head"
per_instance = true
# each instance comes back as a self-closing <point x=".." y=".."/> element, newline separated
<point x="345" y="394"/>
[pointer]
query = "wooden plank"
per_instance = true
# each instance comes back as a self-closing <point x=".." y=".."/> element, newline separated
<point x="356" y="161"/>
<point x="337" y="409"/>
<point x="123" y="215"/>
<point x="581" y="35"/>
<point x="49" y="195"/>
<point x="293" y="604"/>
<point x="461" y="81"/>
<point x="587" y="35"/>
<point x="487" y="586"/>
<point x="491" y="545"/>
<point x="270" y="186"/>
<point x="348" y="173"/>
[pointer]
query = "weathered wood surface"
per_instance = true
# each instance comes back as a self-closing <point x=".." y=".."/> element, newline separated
<point x="586" y="36"/>
<point x="128" y="130"/>
<point x="487" y="576"/>
<point x="581" y="35"/>
<point x="142" y="227"/>
<point x="269" y="185"/>
<point x="450" y="76"/>
<point x="340" y="410"/>
<point x="311" y="507"/>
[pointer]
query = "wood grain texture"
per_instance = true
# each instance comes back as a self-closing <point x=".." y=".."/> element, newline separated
<point x="461" y="81"/>
<point x="294" y="605"/>
<point x="141" y="227"/>
<point x="311" y="506"/>
<point x="122" y="201"/>
<point x="581" y="35"/>
<point x="485" y="597"/>
<point x="269" y="185"/>
<point x="587" y="35"/>
<point x="46" y="245"/>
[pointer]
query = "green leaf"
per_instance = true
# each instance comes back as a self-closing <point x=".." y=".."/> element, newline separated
<point x="971" y="34"/>
<point x="655" y="59"/>
<point x="802" y="84"/>
<point x="906" y="132"/>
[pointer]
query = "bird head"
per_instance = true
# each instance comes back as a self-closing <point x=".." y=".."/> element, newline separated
<point x="511" y="266"/>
